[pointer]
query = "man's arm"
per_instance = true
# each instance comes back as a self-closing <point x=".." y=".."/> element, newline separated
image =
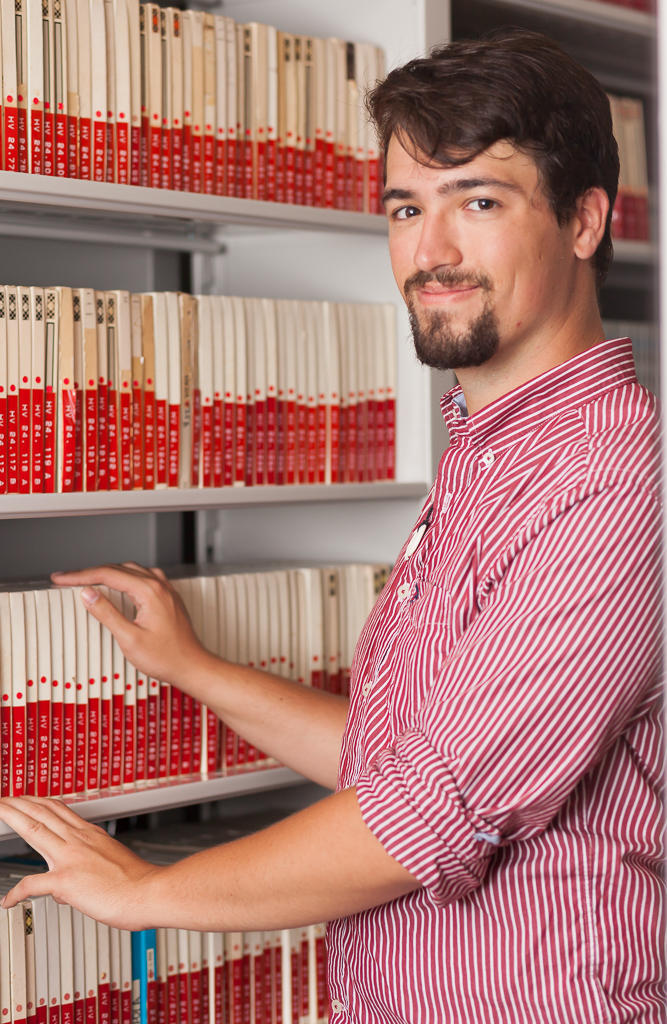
<point x="296" y="724"/>
<point x="317" y="865"/>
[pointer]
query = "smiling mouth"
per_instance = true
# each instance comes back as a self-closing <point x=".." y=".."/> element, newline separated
<point x="431" y="296"/>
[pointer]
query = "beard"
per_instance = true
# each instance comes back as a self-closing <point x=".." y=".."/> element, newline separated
<point x="437" y="343"/>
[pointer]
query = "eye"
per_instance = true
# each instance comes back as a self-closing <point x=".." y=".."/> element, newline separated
<point x="481" y="205"/>
<point x="404" y="212"/>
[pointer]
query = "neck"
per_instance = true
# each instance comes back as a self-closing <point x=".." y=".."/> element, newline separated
<point x="513" y="366"/>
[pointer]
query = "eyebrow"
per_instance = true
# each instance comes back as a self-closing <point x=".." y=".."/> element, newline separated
<point x="461" y="185"/>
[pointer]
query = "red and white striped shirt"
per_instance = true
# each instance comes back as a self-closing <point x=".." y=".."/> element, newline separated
<point x="504" y="727"/>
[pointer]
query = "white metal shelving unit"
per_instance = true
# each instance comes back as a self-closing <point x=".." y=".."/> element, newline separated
<point x="254" y="248"/>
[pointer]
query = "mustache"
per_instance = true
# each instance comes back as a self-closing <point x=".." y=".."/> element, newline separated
<point x="447" y="278"/>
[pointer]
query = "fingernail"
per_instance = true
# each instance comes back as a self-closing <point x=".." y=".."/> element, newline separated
<point x="58" y="572"/>
<point x="2" y="901"/>
<point x="89" y="596"/>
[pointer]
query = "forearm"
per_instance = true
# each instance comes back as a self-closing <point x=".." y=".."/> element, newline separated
<point x="300" y="726"/>
<point x="317" y="865"/>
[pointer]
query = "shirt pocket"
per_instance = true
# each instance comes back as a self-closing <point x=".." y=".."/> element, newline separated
<point x="430" y="605"/>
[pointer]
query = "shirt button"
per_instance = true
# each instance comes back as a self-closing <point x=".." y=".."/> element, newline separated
<point x="337" y="1006"/>
<point x="487" y="459"/>
<point x="366" y="689"/>
<point x="403" y="591"/>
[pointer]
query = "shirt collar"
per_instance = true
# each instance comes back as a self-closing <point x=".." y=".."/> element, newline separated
<point x="598" y="369"/>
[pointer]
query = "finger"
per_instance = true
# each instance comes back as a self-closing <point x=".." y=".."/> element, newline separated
<point x="105" y="611"/>
<point x="29" y="888"/>
<point x="140" y="569"/>
<point x="61" y="810"/>
<point x="115" y="576"/>
<point x="161" y="575"/>
<point x="33" y="824"/>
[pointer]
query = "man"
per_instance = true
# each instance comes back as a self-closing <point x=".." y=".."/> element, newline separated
<point x="492" y="851"/>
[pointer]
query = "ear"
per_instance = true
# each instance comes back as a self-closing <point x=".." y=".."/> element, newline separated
<point x="589" y="222"/>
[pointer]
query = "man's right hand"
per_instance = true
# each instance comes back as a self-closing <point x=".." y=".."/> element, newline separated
<point x="160" y="641"/>
<point x="300" y="726"/>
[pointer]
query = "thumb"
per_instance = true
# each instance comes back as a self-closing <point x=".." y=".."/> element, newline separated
<point x="102" y="609"/>
<point x="28" y="888"/>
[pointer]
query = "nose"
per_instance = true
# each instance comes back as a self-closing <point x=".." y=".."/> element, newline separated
<point x="437" y="245"/>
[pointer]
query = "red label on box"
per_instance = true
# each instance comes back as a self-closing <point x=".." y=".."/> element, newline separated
<point x="177" y="159"/>
<point x="81" y="746"/>
<point x="164" y="731"/>
<point x="49" y="130"/>
<point x="219" y="170"/>
<point x="206" y="447"/>
<point x="174" y="443"/>
<point x="137" y="437"/>
<point x="129" y="743"/>
<point x="72" y="146"/>
<point x="117" y="742"/>
<point x="142" y="727"/>
<point x="229" y="423"/>
<point x="49" y="440"/>
<point x="99" y="150"/>
<point x="126" y="437"/>
<point x="43" y="745"/>
<point x="271" y="438"/>
<point x="19" y="740"/>
<point x="197" y="152"/>
<point x="155" y="141"/>
<point x="85" y="148"/>
<point x="161" y="441"/>
<point x="10" y="135"/>
<point x="196" y="436"/>
<point x="106" y="739"/>
<point x="91" y="431"/>
<point x="112" y="439"/>
<point x="61" y="145"/>
<point x="217" y="443"/>
<point x="209" y="165"/>
<point x="123" y="155"/>
<point x="37" y="482"/>
<point x="240" y="440"/>
<point x="93" y="771"/>
<point x="36" y="151"/>
<point x="24" y="439"/>
<point x="149" y="441"/>
<point x="3" y="443"/>
<point x="272" y="171"/>
<point x="152" y="725"/>
<point x="187" y="157"/>
<point x="63" y="747"/>
<point x="135" y="155"/>
<point x="13" y="440"/>
<point x="166" y="165"/>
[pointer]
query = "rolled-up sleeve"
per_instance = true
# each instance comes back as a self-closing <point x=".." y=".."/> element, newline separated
<point x="561" y="657"/>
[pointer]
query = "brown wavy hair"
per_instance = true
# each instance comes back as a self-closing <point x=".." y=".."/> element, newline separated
<point x="449" y="107"/>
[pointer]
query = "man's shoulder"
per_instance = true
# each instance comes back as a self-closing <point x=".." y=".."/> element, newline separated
<point x="622" y="428"/>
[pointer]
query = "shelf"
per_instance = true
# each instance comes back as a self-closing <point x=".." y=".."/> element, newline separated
<point x="33" y="205"/>
<point x="37" y="506"/>
<point x="636" y="253"/>
<point x="616" y="43"/>
<point x="144" y="799"/>
<point x="589" y="12"/>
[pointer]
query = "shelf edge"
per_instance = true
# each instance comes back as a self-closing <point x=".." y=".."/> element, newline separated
<point x="143" y="800"/>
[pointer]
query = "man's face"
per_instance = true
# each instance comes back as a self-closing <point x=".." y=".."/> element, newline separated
<point x="478" y="255"/>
